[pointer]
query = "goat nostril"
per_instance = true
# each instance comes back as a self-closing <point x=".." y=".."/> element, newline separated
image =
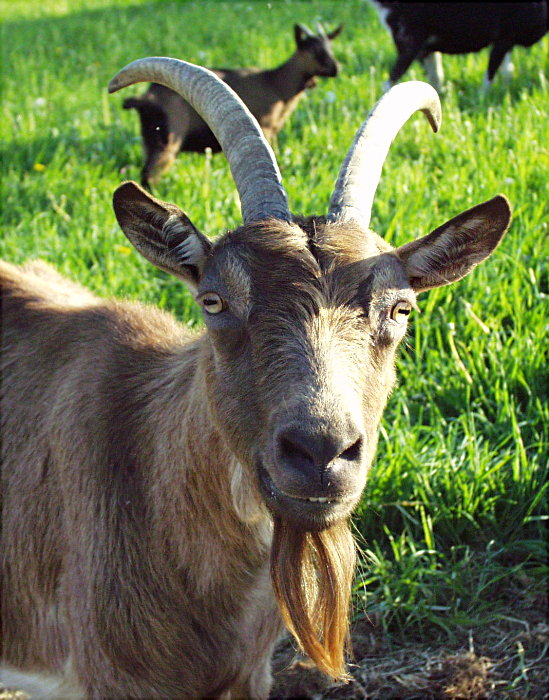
<point x="293" y="452"/>
<point x="352" y="453"/>
<point x="310" y="452"/>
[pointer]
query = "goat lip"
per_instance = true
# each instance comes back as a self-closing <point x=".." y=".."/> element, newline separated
<point x="326" y="500"/>
<point x="330" y="72"/>
<point x="311" y="513"/>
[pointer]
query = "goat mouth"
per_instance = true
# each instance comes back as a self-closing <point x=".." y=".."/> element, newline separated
<point x="330" y="72"/>
<point x="310" y="513"/>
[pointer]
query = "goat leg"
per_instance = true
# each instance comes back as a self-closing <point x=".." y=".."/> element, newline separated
<point x="497" y="54"/>
<point x="408" y="51"/>
<point x="159" y="160"/>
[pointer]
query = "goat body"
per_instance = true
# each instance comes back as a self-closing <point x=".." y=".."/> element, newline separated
<point x="107" y="386"/>
<point x="169" y="124"/>
<point x="420" y="29"/>
<point x="171" y="501"/>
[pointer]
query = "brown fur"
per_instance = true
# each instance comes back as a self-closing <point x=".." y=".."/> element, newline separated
<point x="103" y="557"/>
<point x="143" y="466"/>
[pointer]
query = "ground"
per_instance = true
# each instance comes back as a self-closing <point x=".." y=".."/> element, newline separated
<point x="507" y="661"/>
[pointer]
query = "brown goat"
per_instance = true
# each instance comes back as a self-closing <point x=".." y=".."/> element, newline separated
<point x="172" y="500"/>
<point x="169" y="124"/>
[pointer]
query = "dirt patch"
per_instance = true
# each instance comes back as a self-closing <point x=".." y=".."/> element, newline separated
<point x="508" y="661"/>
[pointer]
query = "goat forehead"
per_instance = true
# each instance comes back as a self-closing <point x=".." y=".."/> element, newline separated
<point x="263" y="252"/>
<point x="234" y="280"/>
<point x="344" y="242"/>
<point x="311" y="240"/>
<point x="321" y="46"/>
<point x="284" y="265"/>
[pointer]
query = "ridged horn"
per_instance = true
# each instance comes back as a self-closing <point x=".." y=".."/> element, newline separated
<point x="251" y="159"/>
<point x="361" y="170"/>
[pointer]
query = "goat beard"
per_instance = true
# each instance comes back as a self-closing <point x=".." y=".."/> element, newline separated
<point x="312" y="575"/>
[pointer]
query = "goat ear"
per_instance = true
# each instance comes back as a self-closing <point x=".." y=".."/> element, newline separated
<point x="162" y="233"/>
<point x="337" y="31"/>
<point x="301" y="33"/>
<point x="452" y="250"/>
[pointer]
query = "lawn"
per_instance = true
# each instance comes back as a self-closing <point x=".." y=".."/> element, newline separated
<point x="453" y="523"/>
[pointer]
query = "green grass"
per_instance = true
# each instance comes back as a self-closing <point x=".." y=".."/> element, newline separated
<point x="454" y="512"/>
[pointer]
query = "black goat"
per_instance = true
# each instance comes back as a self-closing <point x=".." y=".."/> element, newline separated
<point x="422" y="29"/>
<point x="169" y="124"/>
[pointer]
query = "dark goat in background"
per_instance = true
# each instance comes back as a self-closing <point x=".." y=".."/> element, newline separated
<point x="169" y="124"/>
<point x="422" y="29"/>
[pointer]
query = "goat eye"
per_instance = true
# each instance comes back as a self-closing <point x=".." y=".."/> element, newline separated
<point x="400" y="311"/>
<point x="212" y="303"/>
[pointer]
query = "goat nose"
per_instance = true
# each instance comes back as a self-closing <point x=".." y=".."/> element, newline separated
<point x="311" y="454"/>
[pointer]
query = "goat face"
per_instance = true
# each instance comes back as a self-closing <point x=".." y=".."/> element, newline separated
<point x="315" y="51"/>
<point x="303" y="323"/>
<point x="303" y="361"/>
<point x="303" y="320"/>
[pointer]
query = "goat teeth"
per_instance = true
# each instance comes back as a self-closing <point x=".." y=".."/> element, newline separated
<point x="320" y="499"/>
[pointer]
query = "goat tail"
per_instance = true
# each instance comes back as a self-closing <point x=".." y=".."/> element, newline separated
<point x="312" y="575"/>
<point x="135" y="103"/>
<point x="154" y="122"/>
<point x="149" y="111"/>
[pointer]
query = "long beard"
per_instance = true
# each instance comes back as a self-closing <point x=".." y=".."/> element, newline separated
<point x="312" y="575"/>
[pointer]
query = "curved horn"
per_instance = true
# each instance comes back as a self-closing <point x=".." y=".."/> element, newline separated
<point x="359" y="175"/>
<point x="251" y="159"/>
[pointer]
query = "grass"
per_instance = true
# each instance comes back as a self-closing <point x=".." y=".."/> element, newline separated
<point x="452" y="525"/>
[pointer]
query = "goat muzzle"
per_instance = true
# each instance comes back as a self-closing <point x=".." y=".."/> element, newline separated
<point x="312" y="472"/>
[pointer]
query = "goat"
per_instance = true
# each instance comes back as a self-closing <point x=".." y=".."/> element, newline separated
<point x="173" y="500"/>
<point x="421" y="30"/>
<point x="169" y="124"/>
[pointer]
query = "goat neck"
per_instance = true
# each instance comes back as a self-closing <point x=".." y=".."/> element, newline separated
<point x="186" y="488"/>
<point x="291" y="77"/>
